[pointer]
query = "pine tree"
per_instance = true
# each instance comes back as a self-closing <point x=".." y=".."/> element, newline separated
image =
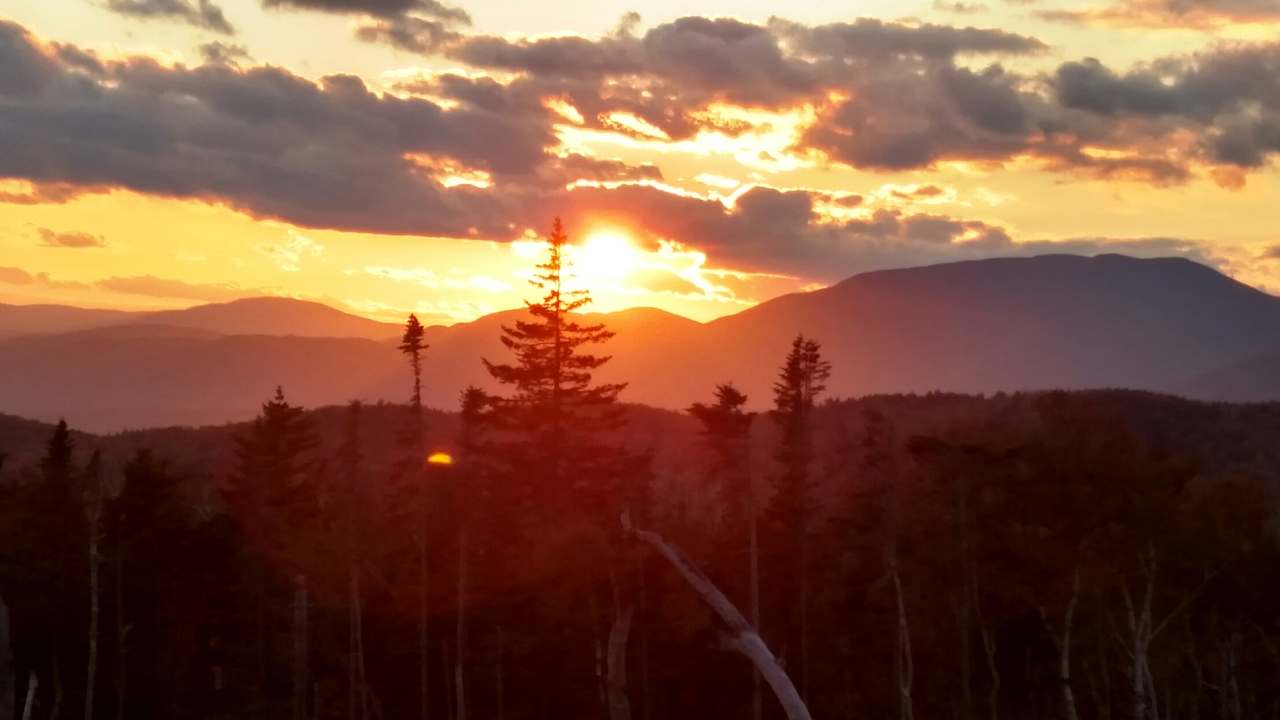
<point x="726" y="427"/>
<point x="468" y="494"/>
<point x="556" y="411"/>
<point x="412" y="345"/>
<point x="270" y="496"/>
<point x="555" y="427"/>
<point x="801" y="379"/>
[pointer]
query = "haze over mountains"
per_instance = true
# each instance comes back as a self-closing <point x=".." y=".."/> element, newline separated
<point x="1052" y="321"/>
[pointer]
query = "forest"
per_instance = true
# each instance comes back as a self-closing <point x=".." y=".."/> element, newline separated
<point x="552" y="552"/>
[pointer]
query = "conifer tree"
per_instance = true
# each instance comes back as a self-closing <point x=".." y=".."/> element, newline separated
<point x="801" y="379"/>
<point x="556" y="411"/>
<point x="270" y="495"/>
<point x="412" y="345"/>
<point x="726" y="428"/>
<point x="556" y="448"/>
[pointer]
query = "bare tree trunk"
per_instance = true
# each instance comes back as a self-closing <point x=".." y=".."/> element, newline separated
<point x="362" y="675"/>
<point x="459" y="666"/>
<point x="424" y="659"/>
<point x="8" y="680"/>
<point x="33" y="684"/>
<point x="743" y="637"/>
<point x="501" y="676"/>
<point x="804" y="608"/>
<point x="57" y="683"/>
<point x="352" y="682"/>
<point x="300" y="680"/>
<point x="94" y="511"/>
<point x="1063" y="641"/>
<point x="904" y="664"/>
<point x="122" y="672"/>
<point x="619" y="705"/>
<point x="756" y="697"/>
<point x="357" y="687"/>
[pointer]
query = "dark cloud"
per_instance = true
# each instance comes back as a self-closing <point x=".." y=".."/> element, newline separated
<point x="220" y="53"/>
<point x="200" y="13"/>
<point x="379" y="8"/>
<point x="871" y="39"/>
<point x="414" y="34"/>
<point x="1228" y="97"/>
<point x="55" y="239"/>
<point x="1170" y="13"/>
<point x="267" y="142"/>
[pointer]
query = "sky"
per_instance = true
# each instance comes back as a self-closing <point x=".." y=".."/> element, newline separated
<point x="395" y="156"/>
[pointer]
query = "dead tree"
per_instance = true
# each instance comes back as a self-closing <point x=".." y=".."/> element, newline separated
<point x="8" y="682"/>
<point x="93" y="516"/>
<point x="33" y="684"/>
<point x="742" y="637"/>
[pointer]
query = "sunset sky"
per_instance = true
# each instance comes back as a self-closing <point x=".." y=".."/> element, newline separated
<point x="386" y="156"/>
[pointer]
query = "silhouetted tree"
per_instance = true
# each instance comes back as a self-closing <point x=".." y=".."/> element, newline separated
<point x="726" y="428"/>
<point x="270" y="495"/>
<point x="801" y="379"/>
<point x="412" y="345"/>
<point x="556" y="426"/>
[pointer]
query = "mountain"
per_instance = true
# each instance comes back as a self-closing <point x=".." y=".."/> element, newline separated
<point x="18" y="320"/>
<point x="250" y="316"/>
<point x="1052" y="321"/>
<point x="275" y="316"/>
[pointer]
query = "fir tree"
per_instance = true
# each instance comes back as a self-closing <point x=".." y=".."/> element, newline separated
<point x="801" y="379"/>
<point x="726" y="427"/>
<point x="556" y="412"/>
<point x="270" y="496"/>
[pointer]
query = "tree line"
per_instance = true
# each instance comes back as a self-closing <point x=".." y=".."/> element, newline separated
<point x="1036" y="558"/>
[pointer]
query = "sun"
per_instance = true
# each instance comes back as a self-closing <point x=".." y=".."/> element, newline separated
<point x="605" y="258"/>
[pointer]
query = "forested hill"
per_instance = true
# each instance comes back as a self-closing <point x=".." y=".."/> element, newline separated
<point x="1227" y="437"/>
<point x="983" y="521"/>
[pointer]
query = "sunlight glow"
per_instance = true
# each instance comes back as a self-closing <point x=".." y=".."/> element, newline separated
<point x="604" y="258"/>
<point x="439" y="458"/>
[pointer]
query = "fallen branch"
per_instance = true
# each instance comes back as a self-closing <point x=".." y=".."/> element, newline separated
<point x="743" y="637"/>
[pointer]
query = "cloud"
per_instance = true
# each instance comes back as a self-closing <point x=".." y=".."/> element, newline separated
<point x="269" y="143"/>
<point x="199" y="13"/>
<point x="220" y="53"/>
<point x="1199" y="14"/>
<point x="959" y="8"/>
<point x="18" y="276"/>
<point x="54" y="239"/>
<point x="414" y="34"/>
<point x="156" y="287"/>
<point x="379" y="8"/>
<point x="288" y="255"/>
<point x="1228" y="98"/>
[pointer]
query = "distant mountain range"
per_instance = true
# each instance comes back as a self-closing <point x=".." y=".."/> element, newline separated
<point x="1053" y="321"/>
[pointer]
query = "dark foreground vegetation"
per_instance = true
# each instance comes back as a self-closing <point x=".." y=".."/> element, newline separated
<point x="1055" y="555"/>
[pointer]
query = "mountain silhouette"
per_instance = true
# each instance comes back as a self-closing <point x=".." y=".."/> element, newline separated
<point x="250" y="316"/>
<point x="1053" y="321"/>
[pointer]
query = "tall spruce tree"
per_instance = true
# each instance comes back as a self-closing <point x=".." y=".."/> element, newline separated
<point x="726" y="428"/>
<point x="801" y="379"/>
<point x="556" y="412"/>
<point x="270" y="496"/>
<point x="412" y="345"/>
<point x="556" y="448"/>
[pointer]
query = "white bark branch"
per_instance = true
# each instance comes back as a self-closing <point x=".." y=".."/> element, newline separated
<point x="744" y="637"/>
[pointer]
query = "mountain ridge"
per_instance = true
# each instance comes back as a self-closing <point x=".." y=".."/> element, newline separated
<point x="1006" y="324"/>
